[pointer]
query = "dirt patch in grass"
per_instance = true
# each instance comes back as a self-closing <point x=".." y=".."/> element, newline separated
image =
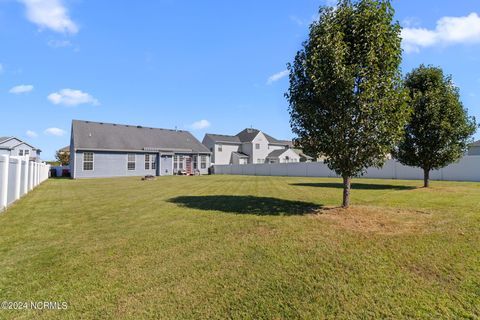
<point x="375" y="219"/>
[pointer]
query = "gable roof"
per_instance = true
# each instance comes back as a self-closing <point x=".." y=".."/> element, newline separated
<point x="4" y="139"/>
<point x="240" y="154"/>
<point x="88" y="135"/>
<point x="223" y="138"/>
<point x="277" y="153"/>
<point x="246" y="135"/>
<point x="20" y="142"/>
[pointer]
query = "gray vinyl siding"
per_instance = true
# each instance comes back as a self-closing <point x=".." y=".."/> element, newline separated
<point x="16" y="150"/>
<point x="111" y="164"/>
<point x="114" y="164"/>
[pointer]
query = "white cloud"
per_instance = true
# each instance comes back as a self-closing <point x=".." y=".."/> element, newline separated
<point x="277" y="76"/>
<point x="23" y="88"/>
<point x="448" y="31"/>
<point x="51" y="14"/>
<point x="70" y="97"/>
<point x="31" y="134"/>
<point x="201" y="124"/>
<point x="54" y="132"/>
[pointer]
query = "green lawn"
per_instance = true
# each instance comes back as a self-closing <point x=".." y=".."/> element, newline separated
<point x="243" y="247"/>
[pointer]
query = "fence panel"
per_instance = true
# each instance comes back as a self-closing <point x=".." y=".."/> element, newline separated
<point x="18" y="176"/>
<point x="466" y="169"/>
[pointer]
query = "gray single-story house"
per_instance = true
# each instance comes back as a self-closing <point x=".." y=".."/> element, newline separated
<point x="13" y="146"/>
<point x="100" y="149"/>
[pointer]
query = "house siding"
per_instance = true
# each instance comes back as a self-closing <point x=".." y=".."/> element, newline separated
<point x="114" y="164"/>
<point x="111" y="164"/>
<point x="224" y="156"/>
<point x="261" y="153"/>
<point x="13" y="146"/>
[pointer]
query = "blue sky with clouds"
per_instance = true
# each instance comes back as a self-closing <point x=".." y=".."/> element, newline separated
<point x="205" y="66"/>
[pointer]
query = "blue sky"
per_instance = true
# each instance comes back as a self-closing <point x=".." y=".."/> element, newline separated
<point x="205" y="66"/>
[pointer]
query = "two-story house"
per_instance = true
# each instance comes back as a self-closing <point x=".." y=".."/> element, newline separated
<point x="249" y="146"/>
<point x="13" y="146"/>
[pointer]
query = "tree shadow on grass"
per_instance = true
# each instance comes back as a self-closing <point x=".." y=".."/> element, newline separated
<point x="358" y="186"/>
<point x="246" y="205"/>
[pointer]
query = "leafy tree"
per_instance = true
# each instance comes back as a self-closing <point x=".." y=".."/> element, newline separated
<point x="439" y="130"/>
<point x="63" y="157"/>
<point x="346" y="97"/>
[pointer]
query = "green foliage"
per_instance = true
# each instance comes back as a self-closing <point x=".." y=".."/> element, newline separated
<point x="63" y="157"/>
<point x="440" y="129"/>
<point x="346" y="97"/>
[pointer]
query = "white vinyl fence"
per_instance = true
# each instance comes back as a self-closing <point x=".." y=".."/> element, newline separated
<point x="466" y="169"/>
<point x="18" y="176"/>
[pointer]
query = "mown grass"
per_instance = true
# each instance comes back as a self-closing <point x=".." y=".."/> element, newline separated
<point x="243" y="247"/>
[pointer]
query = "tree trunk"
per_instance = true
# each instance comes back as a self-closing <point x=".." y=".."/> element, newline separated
<point x="426" y="178"/>
<point x="346" y="192"/>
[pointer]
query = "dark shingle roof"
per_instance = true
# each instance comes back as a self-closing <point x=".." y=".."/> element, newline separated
<point x="276" y="153"/>
<point x="240" y="154"/>
<point x="246" y="135"/>
<point x="4" y="138"/>
<point x="89" y="135"/>
<point x="475" y="144"/>
<point x="223" y="138"/>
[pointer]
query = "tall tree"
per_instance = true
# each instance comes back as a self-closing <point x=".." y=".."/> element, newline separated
<point x="439" y="129"/>
<point x="63" y="157"/>
<point x="346" y="97"/>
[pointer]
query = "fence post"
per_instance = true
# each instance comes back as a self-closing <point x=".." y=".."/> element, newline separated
<point x="18" y="177"/>
<point x="4" y="182"/>
<point x="30" y="175"/>
<point x="25" y="177"/>
<point x="34" y="176"/>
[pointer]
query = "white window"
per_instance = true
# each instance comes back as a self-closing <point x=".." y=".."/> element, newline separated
<point x="147" y="162"/>
<point x="203" y="162"/>
<point x="88" y="161"/>
<point x="131" y="161"/>
<point x="27" y="152"/>
<point x="20" y="152"/>
<point x="220" y="148"/>
<point x="257" y="146"/>
<point x="154" y="162"/>
<point x="175" y="162"/>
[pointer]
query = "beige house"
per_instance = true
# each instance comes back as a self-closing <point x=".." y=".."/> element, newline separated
<point x="249" y="146"/>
